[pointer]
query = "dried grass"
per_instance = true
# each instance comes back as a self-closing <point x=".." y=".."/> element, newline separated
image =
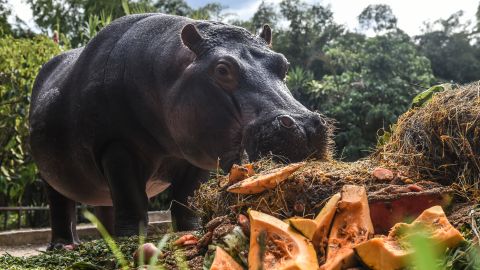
<point x="303" y="194"/>
<point x="441" y="140"/>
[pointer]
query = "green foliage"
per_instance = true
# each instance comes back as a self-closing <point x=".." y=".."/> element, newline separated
<point x="96" y="23"/>
<point x="374" y="81"/>
<point x="96" y="253"/>
<point x="20" y="61"/>
<point x="452" y="50"/>
<point x="108" y="239"/>
<point x="425" y="256"/>
<point x="265" y="14"/>
<point x="5" y="11"/>
<point x="80" y="20"/>
<point x="310" y="28"/>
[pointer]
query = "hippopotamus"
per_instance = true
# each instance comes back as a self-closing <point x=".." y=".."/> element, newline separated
<point x="156" y="100"/>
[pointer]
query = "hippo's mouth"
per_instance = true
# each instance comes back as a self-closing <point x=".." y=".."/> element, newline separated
<point x="287" y="139"/>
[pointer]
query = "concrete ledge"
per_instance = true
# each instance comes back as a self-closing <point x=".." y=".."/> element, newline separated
<point x="160" y="222"/>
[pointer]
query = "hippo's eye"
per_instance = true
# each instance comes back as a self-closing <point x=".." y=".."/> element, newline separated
<point x="225" y="73"/>
<point x="222" y="70"/>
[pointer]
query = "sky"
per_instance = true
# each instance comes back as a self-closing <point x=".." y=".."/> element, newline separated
<point x="410" y="13"/>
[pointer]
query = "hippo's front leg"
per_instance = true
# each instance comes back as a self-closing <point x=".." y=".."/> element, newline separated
<point x="126" y="179"/>
<point x="187" y="180"/>
<point x="63" y="220"/>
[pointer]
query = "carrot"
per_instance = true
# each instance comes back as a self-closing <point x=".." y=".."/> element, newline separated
<point x="187" y="237"/>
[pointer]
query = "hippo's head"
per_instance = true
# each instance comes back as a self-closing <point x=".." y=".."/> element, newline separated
<point x="238" y="101"/>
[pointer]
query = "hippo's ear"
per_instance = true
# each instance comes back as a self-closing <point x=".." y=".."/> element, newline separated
<point x="191" y="38"/>
<point x="266" y="34"/>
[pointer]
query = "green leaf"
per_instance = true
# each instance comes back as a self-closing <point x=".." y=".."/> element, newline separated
<point x="84" y="266"/>
<point x="424" y="97"/>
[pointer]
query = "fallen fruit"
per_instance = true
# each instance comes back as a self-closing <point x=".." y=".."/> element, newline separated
<point x="317" y="229"/>
<point x="190" y="242"/>
<point x="187" y="239"/>
<point x="434" y="222"/>
<point x="382" y="174"/>
<point x="394" y="252"/>
<point x="149" y="251"/>
<point x="240" y="172"/>
<point x="275" y="245"/>
<point x="352" y="225"/>
<point x="382" y="253"/>
<point x="268" y="180"/>
<point x="396" y="204"/>
<point x="223" y="261"/>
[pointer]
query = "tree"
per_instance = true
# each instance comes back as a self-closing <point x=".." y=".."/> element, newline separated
<point x="451" y="49"/>
<point x="5" y="11"/>
<point x="265" y="14"/>
<point x="175" y="7"/>
<point x="21" y="60"/>
<point x="377" y="17"/>
<point x="311" y="27"/>
<point x="80" y="20"/>
<point x="375" y="81"/>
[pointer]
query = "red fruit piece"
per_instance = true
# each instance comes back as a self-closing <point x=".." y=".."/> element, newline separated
<point x="382" y="174"/>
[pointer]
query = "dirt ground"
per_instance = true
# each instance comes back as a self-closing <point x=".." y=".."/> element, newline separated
<point x="23" y="251"/>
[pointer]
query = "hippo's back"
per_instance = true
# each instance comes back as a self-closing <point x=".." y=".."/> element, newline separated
<point x="72" y="116"/>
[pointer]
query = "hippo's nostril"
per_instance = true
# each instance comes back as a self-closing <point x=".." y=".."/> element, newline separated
<point x="286" y="121"/>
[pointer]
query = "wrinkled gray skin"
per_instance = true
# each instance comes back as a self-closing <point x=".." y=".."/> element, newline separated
<point x="155" y="100"/>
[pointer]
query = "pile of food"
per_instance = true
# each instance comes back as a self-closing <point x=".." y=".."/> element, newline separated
<point x="340" y="228"/>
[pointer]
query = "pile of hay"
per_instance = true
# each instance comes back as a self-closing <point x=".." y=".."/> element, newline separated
<point x="440" y="140"/>
<point x="303" y="194"/>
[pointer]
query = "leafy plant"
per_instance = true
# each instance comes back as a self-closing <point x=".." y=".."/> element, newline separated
<point x="20" y="61"/>
<point x="108" y="238"/>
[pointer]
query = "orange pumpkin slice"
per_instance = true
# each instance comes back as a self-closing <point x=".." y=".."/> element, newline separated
<point x="317" y="229"/>
<point x="394" y="252"/>
<point x="275" y="245"/>
<point x="240" y="172"/>
<point x="352" y="225"/>
<point x="382" y="253"/>
<point x="223" y="261"/>
<point x="267" y="180"/>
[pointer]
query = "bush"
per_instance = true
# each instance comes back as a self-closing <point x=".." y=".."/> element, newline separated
<point x="20" y="61"/>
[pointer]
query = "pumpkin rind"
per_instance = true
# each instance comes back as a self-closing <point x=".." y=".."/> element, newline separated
<point x="223" y="261"/>
<point x="393" y="252"/>
<point x="240" y="172"/>
<point x="268" y="180"/>
<point x="382" y="254"/>
<point x="317" y="229"/>
<point x="284" y="247"/>
<point x="352" y="225"/>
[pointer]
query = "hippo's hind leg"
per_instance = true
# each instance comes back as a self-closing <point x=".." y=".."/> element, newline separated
<point x="63" y="220"/>
<point x="105" y="215"/>
<point x="186" y="181"/>
<point x="126" y="178"/>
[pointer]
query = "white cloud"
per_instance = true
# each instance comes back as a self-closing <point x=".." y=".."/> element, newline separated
<point x="21" y="9"/>
<point x="410" y="13"/>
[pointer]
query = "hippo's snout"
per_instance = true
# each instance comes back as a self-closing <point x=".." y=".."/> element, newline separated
<point x="289" y="137"/>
